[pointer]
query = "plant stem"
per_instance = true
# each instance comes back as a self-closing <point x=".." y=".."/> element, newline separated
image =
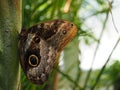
<point x="10" y="24"/>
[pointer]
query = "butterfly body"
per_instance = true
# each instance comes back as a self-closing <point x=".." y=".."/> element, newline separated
<point x="40" y="45"/>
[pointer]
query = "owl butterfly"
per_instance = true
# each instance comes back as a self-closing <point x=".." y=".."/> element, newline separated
<point x="40" y="46"/>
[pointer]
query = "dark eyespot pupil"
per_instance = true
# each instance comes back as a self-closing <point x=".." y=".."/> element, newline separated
<point x="64" y="31"/>
<point x="71" y="24"/>
<point x="33" y="60"/>
<point x="37" y="39"/>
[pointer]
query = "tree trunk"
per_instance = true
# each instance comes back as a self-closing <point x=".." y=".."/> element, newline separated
<point x="10" y="25"/>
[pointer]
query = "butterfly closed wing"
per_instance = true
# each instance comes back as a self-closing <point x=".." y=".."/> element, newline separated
<point x="40" y="46"/>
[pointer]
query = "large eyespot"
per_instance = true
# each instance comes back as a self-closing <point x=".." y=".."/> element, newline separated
<point x="64" y="31"/>
<point x="33" y="60"/>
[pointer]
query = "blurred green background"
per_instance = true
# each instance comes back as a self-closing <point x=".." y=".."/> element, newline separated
<point x="71" y="76"/>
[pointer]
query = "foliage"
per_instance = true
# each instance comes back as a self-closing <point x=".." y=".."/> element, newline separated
<point x="113" y="71"/>
<point x="110" y="77"/>
<point x="113" y="74"/>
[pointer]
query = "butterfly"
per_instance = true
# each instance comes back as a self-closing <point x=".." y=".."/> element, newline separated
<point x="41" y="45"/>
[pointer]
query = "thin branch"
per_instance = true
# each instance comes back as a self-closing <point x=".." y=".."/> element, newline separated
<point x="100" y="74"/>
<point x="78" y="74"/>
<point x="110" y="8"/>
<point x="98" y="44"/>
<point x="68" y="78"/>
<point x="101" y="71"/>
